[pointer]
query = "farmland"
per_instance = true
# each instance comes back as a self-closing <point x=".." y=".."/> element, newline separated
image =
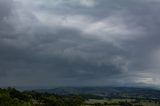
<point x="121" y="102"/>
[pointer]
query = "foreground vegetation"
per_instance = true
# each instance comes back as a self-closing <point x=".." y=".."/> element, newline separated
<point x="13" y="97"/>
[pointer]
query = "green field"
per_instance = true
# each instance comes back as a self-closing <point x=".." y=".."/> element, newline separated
<point x="116" y="102"/>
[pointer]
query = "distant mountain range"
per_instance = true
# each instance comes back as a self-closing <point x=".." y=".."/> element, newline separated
<point x="116" y="92"/>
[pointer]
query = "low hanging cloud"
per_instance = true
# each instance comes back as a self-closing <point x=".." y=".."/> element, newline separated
<point x="79" y="43"/>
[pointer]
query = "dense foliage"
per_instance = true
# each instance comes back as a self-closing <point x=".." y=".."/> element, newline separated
<point x="13" y="97"/>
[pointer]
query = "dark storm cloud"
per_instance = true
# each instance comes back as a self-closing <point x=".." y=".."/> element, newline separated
<point x="83" y="42"/>
<point x="5" y="8"/>
<point x="5" y="12"/>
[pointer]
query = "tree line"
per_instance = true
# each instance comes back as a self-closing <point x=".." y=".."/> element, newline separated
<point x="13" y="97"/>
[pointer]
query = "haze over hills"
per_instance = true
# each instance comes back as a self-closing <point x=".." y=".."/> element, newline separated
<point x="131" y="92"/>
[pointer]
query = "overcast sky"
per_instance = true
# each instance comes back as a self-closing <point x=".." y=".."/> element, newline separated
<point x="79" y="43"/>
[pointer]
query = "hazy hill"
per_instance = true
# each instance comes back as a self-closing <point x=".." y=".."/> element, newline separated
<point x="106" y="91"/>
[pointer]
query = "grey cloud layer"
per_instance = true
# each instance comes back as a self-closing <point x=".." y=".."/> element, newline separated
<point x="83" y="42"/>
